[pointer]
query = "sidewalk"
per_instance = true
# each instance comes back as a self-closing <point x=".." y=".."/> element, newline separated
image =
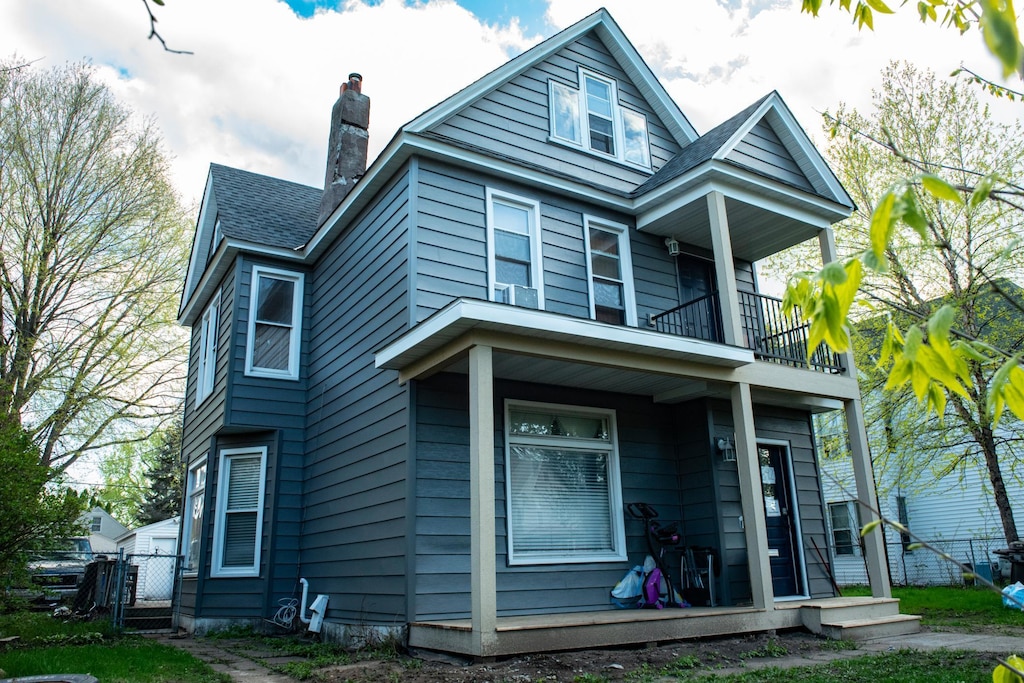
<point x="240" y="667"/>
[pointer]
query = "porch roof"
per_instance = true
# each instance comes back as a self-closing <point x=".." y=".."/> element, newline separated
<point x="549" y="348"/>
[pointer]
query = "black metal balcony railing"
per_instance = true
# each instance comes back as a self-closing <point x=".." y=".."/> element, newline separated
<point x="770" y="334"/>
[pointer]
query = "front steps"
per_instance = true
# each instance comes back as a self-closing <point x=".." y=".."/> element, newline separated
<point x="858" y="618"/>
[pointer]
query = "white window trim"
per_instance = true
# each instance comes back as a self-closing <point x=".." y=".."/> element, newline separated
<point x="618" y="532"/>
<point x="618" y="126"/>
<point x="186" y="527"/>
<point x="295" y="338"/>
<point x="207" y="363"/>
<point x="218" y="569"/>
<point x="625" y="266"/>
<point x="852" y="513"/>
<point x="536" y="269"/>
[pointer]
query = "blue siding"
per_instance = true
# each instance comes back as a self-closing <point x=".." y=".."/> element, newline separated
<point x="353" y="541"/>
<point x="762" y="151"/>
<point x="513" y="120"/>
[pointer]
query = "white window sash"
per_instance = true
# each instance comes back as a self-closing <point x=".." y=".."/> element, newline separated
<point x="293" y="328"/>
<point x="193" y="524"/>
<point x="532" y="207"/>
<point x="207" y="366"/>
<point x="625" y="266"/>
<point x="539" y="510"/>
<point x="230" y="513"/>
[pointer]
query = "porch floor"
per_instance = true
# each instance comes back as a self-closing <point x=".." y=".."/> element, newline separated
<point x="613" y="627"/>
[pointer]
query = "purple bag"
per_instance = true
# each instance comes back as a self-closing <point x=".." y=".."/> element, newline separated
<point x="652" y="589"/>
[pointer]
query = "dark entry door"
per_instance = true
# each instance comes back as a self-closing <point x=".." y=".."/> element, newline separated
<point x="780" y="516"/>
<point x="696" y="284"/>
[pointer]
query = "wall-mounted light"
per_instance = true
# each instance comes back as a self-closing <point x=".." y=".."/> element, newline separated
<point x="673" y="246"/>
<point x="728" y="450"/>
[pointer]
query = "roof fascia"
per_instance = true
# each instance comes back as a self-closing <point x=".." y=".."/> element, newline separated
<point x="620" y="47"/>
<point x="805" y="147"/>
<point x="193" y="266"/>
<point x="226" y="252"/>
<point x="722" y="177"/>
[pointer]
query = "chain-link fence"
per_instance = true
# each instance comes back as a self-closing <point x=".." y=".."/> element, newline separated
<point x="923" y="567"/>
<point x="134" y="591"/>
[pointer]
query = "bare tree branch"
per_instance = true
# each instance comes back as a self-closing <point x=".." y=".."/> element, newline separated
<point x="153" y="33"/>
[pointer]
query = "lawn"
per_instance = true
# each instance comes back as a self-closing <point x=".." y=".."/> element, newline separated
<point x="957" y="607"/>
<point x="47" y="646"/>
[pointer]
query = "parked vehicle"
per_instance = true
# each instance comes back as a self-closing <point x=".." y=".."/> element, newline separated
<point x="59" y="573"/>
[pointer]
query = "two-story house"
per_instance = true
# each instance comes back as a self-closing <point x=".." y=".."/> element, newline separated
<point x="431" y="388"/>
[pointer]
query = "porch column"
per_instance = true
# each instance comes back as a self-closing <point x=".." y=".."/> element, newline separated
<point x="860" y="453"/>
<point x="725" y="270"/>
<point x="864" y="476"/>
<point x="481" y="501"/>
<point x="752" y="498"/>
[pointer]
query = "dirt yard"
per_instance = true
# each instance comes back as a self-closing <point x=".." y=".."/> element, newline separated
<point x="636" y="663"/>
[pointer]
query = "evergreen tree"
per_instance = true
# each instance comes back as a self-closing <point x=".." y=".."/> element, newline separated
<point x="163" y="498"/>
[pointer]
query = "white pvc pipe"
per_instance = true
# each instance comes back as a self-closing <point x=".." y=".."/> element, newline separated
<point x="305" y="592"/>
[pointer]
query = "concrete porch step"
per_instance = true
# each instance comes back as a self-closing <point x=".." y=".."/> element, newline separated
<point x="877" y="627"/>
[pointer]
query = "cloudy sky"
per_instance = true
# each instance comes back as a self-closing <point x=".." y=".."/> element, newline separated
<point x="258" y="89"/>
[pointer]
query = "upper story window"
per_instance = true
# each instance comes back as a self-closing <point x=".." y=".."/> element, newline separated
<point x="207" y="362"/>
<point x="591" y="118"/>
<point x="609" y="272"/>
<point x="192" y="537"/>
<point x="275" y="323"/>
<point x="513" y="250"/>
<point x="563" y="492"/>
<point x="96" y="524"/>
<point x="215" y="238"/>
<point x="238" y="528"/>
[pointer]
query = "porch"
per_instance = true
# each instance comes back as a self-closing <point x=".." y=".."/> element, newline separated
<point x="836" y="618"/>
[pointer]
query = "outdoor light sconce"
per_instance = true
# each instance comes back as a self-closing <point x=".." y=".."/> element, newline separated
<point x="727" y="449"/>
<point x="673" y="246"/>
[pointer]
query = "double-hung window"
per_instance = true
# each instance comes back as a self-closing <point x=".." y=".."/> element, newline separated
<point x="562" y="485"/>
<point x="590" y="117"/>
<point x="275" y="323"/>
<point x="609" y="270"/>
<point x="513" y="254"/>
<point x="207" y="366"/>
<point x="238" y="528"/>
<point x="845" y="521"/>
<point x="191" y="539"/>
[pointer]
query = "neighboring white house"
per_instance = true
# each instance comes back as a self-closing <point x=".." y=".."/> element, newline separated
<point x="103" y="530"/>
<point x="955" y="513"/>
<point x="153" y="549"/>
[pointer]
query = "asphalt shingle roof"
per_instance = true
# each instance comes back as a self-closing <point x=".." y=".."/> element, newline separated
<point x="699" y="151"/>
<point x="264" y="210"/>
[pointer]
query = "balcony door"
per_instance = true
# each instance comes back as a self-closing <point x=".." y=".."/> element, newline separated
<point x="699" y="313"/>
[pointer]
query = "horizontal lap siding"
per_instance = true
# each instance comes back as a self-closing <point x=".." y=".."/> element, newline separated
<point x="513" y="119"/>
<point x="647" y="466"/>
<point x="353" y="541"/>
<point x="762" y="151"/>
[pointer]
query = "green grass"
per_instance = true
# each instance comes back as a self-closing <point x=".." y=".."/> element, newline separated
<point x="906" y="666"/>
<point x="956" y="607"/>
<point x="130" y="660"/>
<point x="50" y="646"/>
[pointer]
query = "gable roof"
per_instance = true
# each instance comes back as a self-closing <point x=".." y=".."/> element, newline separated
<point x="720" y="145"/>
<point x="615" y="40"/>
<point x="264" y="210"/>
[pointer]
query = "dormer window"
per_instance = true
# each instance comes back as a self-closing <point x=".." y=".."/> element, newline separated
<point x="591" y="118"/>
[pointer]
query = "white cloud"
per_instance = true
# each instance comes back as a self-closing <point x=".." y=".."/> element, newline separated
<point x="258" y="91"/>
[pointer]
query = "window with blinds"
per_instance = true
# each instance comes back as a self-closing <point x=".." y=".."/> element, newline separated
<point x="275" y="323"/>
<point x="562" y="485"/>
<point x="238" y="528"/>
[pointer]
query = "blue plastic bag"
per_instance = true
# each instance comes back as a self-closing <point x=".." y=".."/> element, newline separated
<point x="627" y="591"/>
<point x="1013" y="596"/>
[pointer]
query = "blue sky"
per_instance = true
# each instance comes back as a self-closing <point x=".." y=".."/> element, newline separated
<point x="530" y="13"/>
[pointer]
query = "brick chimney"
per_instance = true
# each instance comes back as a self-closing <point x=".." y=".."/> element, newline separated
<point x="346" y="149"/>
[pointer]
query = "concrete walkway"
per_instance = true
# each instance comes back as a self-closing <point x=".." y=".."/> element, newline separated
<point x="242" y="668"/>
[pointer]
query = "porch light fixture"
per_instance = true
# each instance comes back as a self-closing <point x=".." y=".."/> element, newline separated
<point x="673" y="246"/>
<point x="727" y="449"/>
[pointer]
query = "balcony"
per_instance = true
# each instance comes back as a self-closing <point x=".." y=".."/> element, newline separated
<point x="770" y="334"/>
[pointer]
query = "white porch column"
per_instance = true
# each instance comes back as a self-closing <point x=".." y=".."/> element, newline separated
<point x="752" y="498"/>
<point x="725" y="271"/>
<point x="860" y="453"/>
<point x="864" y="476"/>
<point x="484" y="602"/>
